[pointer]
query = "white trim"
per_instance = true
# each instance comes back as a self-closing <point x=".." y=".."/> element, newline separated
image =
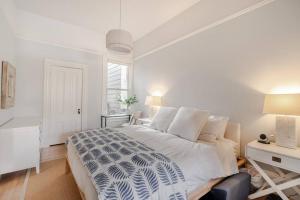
<point x="84" y="68"/>
<point x="101" y="52"/>
<point x="119" y="59"/>
<point x="130" y="71"/>
<point x="104" y="81"/>
<point x="205" y="28"/>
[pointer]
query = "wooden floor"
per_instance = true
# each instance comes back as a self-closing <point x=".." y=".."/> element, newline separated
<point x="11" y="185"/>
<point x="51" y="184"/>
<point x="53" y="152"/>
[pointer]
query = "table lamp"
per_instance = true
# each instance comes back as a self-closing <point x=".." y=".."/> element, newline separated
<point x="152" y="102"/>
<point x="286" y="107"/>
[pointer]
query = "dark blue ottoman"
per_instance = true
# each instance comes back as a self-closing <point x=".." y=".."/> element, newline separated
<point x="236" y="187"/>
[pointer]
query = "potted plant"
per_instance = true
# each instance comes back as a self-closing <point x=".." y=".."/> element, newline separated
<point x="129" y="101"/>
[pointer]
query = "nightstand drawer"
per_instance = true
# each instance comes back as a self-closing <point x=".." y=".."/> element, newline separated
<point x="281" y="161"/>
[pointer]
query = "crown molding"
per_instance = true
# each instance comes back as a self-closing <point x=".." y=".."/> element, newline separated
<point x="208" y="27"/>
<point x="101" y="52"/>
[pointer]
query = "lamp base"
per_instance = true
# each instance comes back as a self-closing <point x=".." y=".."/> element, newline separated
<point x="152" y="111"/>
<point x="286" y="132"/>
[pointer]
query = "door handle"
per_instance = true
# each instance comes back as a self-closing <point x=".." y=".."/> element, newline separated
<point x="78" y="111"/>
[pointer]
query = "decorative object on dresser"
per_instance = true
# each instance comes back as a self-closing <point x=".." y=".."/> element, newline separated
<point x="278" y="158"/>
<point x="20" y="145"/>
<point x="286" y="106"/>
<point x="8" y="87"/>
<point x="152" y="102"/>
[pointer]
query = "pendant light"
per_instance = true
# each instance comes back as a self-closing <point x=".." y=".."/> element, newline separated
<point x="119" y="40"/>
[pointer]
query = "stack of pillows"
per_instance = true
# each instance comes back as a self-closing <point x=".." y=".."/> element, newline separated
<point x="190" y="123"/>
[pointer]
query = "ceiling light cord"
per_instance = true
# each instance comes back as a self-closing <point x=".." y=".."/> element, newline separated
<point x="118" y="40"/>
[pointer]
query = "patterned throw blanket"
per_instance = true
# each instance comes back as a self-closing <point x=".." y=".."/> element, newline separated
<point x="123" y="168"/>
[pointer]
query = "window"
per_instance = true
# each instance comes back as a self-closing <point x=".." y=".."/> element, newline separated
<point x="117" y="87"/>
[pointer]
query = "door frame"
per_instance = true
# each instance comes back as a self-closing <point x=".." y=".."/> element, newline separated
<point x="66" y="64"/>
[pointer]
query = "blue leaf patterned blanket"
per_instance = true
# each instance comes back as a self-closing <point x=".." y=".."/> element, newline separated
<point x="123" y="168"/>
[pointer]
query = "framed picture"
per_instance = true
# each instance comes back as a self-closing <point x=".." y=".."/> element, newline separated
<point x="8" y="85"/>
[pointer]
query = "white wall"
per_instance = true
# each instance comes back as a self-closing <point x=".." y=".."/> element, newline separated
<point x="54" y="32"/>
<point x="29" y="89"/>
<point x="229" y="68"/>
<point x="46" y="38"/>
<point x="203" y="14"/>
<point x="7" y="53"/>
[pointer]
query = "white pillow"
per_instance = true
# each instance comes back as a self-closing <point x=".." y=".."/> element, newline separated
<point x="214" y="128"/>
<point x="188" y="123"/>
<point x="162" y="119"/>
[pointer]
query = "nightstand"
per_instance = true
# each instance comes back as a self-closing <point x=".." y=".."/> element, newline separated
<point x="144" y="121"/>
<point x="278" y="158"/>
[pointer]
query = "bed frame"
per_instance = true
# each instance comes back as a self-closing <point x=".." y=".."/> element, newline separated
<point x="232" y="133"/>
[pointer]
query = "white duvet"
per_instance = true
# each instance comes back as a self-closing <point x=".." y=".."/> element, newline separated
<point x="199" y="161"/>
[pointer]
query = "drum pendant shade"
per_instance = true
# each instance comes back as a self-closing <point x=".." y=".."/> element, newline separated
<point x="119" y="40"/>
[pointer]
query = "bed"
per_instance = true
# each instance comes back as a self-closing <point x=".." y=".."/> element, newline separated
<point x="200" y="178"/>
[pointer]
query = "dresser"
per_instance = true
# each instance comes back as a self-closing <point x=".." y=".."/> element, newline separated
<point x="20" y="145"/>
<point x="285" y="163"/>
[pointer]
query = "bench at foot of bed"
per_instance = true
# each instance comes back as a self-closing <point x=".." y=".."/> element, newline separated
<point x="236" y="187"/>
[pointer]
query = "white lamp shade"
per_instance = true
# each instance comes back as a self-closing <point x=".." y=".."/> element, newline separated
<point x="286" y="129"/>
<point x="153" y="101"/>
<point x="119" y="41"/>
<point x="282" y="104"/>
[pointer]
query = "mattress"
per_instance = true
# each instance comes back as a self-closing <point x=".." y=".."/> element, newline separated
<point x="201" y="162"/>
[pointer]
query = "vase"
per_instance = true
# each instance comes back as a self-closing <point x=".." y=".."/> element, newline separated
<point x="128" y="110"/>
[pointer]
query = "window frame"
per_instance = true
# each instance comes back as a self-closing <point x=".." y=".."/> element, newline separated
<point x="116" y="60"/>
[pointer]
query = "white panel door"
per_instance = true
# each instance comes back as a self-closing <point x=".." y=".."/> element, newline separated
<point x="64" y="103"/>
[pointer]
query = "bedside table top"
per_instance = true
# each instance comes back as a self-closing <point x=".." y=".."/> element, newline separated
<point x="145" y="120"/>
<point x="295" y="153"/>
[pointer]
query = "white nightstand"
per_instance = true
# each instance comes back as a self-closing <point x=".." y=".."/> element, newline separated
<point x="279" y="158"/>
<point x="144" y="121"/>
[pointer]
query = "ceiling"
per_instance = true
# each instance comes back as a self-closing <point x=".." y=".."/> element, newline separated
<point x="139" y="16"/>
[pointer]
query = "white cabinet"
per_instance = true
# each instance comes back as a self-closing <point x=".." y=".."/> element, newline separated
<point x="20" y="145"/>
